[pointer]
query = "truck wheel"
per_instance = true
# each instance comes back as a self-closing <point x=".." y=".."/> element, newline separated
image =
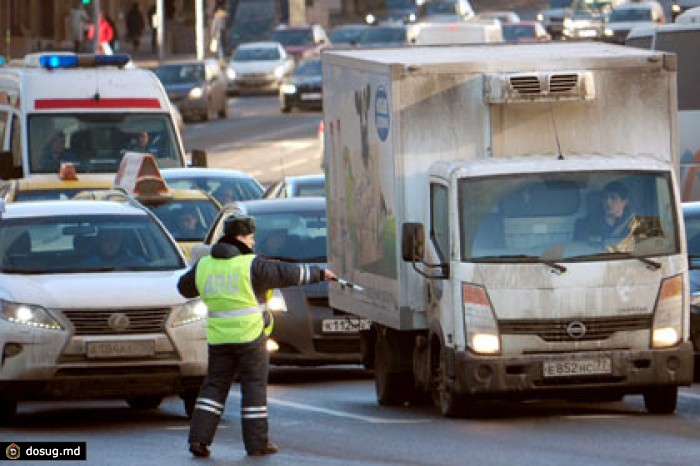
<point x="8" y="410"/>
<point x="449" y="403"/>
<point x="144" y="402"/>
<point x="391" y="387"/>
<point x="661" y="400"/>
<point x="189" y="398"/>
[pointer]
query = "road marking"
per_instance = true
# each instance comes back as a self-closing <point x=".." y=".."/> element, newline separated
<point x="333" y="412"/>
<point x="689" y="395"/>
<point x="243" y="142"/>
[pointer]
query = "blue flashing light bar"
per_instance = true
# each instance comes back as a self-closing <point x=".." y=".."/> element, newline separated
<point x="82" y="60"/>
<point x="2" y="60"/>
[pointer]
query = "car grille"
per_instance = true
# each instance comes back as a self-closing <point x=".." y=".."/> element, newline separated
<point x="258" y="76"/>
<point x="556" y="329"/>
<point x="118" y="321"/>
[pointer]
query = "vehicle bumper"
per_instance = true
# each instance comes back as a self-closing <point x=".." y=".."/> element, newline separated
<point x="581" y="34"/>
<point x="242" y="85"/>
<point x="190" y="107"/>
<point x="312" y="100"/>
<point x="522" y="377"/>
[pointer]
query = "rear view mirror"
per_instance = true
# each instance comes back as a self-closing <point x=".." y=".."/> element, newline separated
<point x="199" y="158"/>
<point x="412" y="242"/>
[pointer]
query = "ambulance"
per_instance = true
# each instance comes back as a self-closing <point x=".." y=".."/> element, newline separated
<point x="84" y="109"/>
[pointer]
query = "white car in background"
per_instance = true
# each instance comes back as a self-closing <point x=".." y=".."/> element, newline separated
<point x="258" y="66"/>
<point x="89" y="307"/>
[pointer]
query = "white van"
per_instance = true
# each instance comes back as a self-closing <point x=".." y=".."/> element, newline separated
<point x="455" y="33"/>
<point x="95" y="104"/>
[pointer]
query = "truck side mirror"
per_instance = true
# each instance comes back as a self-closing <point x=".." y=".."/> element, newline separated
<point x="199" y="158"/>
<point x="412" y="242"/>
<point x="7" y="169"/>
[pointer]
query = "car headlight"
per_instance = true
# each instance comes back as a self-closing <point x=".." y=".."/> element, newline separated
<point x="540" y="17"/>
<point x="668" y="314"/>
<point x="568" y="23"/>
<point x="278" y="72"/>
<point x="28" y="314"/>
<point x="609" y="32"/>
<point x="189" y="313"/>
<point x="288" y="89"/>
<point x="231" y="73"/>
<point x="276" y="302"/>
<point x="370" y="19"/>
<point x="196" y="93"/>
<point x="675" y="8"/>
<point x="480" y="326"/>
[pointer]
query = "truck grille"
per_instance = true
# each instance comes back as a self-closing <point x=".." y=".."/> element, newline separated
<point x="117" y="321"/>
<point x="556" y="329"/>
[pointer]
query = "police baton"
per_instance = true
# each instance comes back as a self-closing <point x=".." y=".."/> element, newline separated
<point x="345" y="283"/>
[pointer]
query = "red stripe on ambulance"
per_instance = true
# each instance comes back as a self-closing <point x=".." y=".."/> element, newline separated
<point x="55" y="104"/>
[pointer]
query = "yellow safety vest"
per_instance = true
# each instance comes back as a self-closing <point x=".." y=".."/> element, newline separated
<point x="235" y="316"/>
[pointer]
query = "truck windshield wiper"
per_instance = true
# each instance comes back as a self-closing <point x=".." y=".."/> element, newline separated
<point x="522" y="258"/>
<point x="651" y="263"/>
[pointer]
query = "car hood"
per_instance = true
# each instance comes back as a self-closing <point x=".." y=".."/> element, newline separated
<point x="628" y="25"/>
<point x="553" y="13"/>
<point x="305" y="80"/>
<point x="255" y="66"/>
<point x="94" y="290"/>
<point x="175" y="91"/>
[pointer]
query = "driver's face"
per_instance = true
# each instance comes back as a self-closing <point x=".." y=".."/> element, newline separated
<point x="614" y="205"/>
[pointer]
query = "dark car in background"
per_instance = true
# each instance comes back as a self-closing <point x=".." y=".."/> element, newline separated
<point x="552" y="17"/>
<point x="301" y="41"/>
<point x="384" y="36"/>
<point x="307" y="331"/>
<point x="303" y="88"/>
<point x="691" y="215"/>
<point x="346" y="34"/>
<point x="298" y="186"/>
<point x="196" y="87"/>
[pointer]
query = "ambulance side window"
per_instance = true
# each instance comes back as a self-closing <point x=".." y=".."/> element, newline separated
<point x="16" y="141"/>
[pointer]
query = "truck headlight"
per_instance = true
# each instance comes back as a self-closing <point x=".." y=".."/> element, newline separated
<point x="190" y="312"/>
<point x="676" y="8"/>
<point x="28" y="314"/>
<point x="480" y="326"/>
<point x="195" y="93"/>
<point x="608" y="32"/>
<point x="288" y="88"/>
<point x="568" y="23"/>
<point x="668" y="314"/>
<point x="231" y="73"/>
<point x="276" y="302"/>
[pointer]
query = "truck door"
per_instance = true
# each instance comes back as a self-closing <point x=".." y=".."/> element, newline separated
<point x="438" y="296"/>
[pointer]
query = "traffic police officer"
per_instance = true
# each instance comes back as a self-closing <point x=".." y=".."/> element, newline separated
<point x="233" y="282"/>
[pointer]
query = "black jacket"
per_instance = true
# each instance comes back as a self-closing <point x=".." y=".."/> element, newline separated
<point x="265" y="274"/>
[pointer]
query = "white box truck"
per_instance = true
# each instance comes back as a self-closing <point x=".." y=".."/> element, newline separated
<point x="510" y="214"/>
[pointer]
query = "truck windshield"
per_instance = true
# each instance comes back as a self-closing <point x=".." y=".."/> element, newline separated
<point x="96" y="142"/>
<point x="567" y="217"/>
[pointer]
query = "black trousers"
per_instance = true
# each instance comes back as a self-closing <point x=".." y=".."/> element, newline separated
<point x="248" y="361"/>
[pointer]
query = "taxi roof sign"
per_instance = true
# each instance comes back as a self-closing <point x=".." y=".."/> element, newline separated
<point x="138" y="174"/>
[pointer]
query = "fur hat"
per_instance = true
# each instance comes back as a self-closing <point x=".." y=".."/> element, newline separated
<point x="241" y="225"/>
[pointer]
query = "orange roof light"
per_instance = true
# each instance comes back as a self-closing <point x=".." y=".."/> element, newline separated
<point x="67" y="171"/>
<point x="139" y="175"/>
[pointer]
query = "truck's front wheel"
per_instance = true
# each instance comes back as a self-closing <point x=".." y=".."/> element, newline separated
<point x="393" y="387"/>
<point x="445" y="399"/>
<point x="661" y="400"/>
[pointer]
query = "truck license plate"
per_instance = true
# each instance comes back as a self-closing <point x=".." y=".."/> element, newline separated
<point x="120" y="349"/>
<point x="575" y="367"/>
<point x="311" y="96"/>
<point x="345" y="325"/>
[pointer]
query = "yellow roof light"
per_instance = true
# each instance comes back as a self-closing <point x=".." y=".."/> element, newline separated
<point x="139" y="175"/>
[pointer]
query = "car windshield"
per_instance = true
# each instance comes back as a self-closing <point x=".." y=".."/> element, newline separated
<point x="400" y="4"/>
<point x="383" y="35"/>
<point x="96" y="142"/>
<point x="346" y="35"/>
<point x="299" y="236"/>
<point x="310" y="188"/>
<point x="308" y="68"/>
<point x="86" y="243"/>
<point x="514" y="32"/>
<point x="567" y="217"/>
<point x="181" y="74"/>
<point x="288" y="37"/>
<point x="186" y="219"/>
<point x="559" y="3"/>
<point x="224" y="189"/>
<point x="438" y="8"/>
<point x="256" y="54"/>
<point x="630" y="14"/>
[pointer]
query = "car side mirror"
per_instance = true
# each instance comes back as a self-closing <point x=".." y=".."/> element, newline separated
<point x="7" y="168"/>
<point x="199" y="158"/>
<point x="412" y="241"/>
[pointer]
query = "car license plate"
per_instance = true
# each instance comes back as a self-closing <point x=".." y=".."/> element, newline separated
<point x="120" y="349"/>
<point x="345" y="325"/>
<point x="311" y="96"/>
<point x="575" y="367"/>
<point x="587" y="33"/>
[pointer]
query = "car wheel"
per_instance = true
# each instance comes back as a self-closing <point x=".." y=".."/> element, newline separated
<point x="144" y="402"/>
<point x="285" y="107"/>
<point x="223" y="112"/>
<point x="449" y="403"/>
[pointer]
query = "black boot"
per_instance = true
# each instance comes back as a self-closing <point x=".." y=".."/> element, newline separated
<point x="269" y="449"/>
<point x="199" y="450"/>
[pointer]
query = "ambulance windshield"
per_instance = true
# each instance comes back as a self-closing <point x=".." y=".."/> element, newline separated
<point x="96" y="142"/>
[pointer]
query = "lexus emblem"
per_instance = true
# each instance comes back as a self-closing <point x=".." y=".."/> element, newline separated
<point x="118" y="322"/>
<point x="576" y="329"/>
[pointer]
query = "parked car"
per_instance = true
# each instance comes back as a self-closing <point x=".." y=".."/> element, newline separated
<point x="384" y="36"/>
<point x="502" y="16"/>
<point x="301" y="41"/>
<point x="196" y="87"/>
<point x="298" y="185"/>
<point x="303" y="88"/>
<point x="223" y="184"/>
<point x="524" y="31"/>
<point x="258" y="66"/>
<point x="346" y="34"/>
<point x="625" y="17"/>
<point x="585" y="19"/>
<point x="307" y="331"/>
<point x="394" y="12"/>
<point x="691" y="215"/>
<point x="445" y="11"/>
<point x="552" y="17"/>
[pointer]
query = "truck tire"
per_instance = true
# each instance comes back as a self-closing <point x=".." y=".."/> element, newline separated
<point x="450" y="404"/>
<point x="144" y="402"/>
<point x="393" y="388"/>
<point x="661" y="400"/>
